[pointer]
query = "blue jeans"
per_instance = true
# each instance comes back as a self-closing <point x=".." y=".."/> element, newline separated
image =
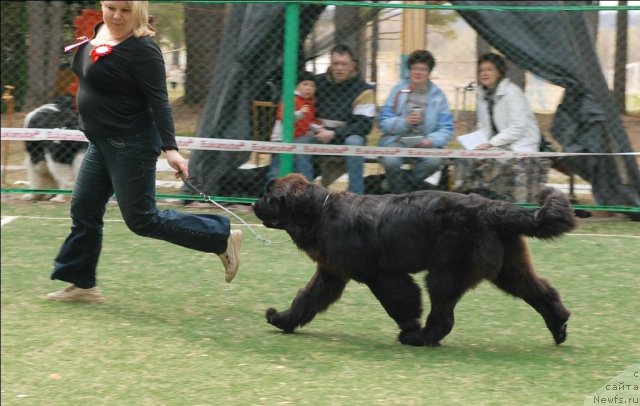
<point x="127" y="166"/>
<point x="398" y="180"/>
<point x="355" y="164"/>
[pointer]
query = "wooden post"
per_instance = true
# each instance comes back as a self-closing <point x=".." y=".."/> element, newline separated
<point x="8" y="99"/>
<point x="414" y="22"/>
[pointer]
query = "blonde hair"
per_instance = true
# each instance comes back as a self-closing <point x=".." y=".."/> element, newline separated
<point x="140" y="15"/>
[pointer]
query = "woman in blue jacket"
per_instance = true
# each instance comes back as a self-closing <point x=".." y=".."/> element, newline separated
<point x="415" y="115"/>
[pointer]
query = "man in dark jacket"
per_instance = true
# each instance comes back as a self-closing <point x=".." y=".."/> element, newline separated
<point x="346" y="108"/>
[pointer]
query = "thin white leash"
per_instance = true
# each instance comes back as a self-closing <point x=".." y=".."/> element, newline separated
<point x="208" y="199"/>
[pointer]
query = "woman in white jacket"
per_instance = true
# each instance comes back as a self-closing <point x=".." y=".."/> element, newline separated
<point x="506" y="118"/>
<point x="504" y="114"/>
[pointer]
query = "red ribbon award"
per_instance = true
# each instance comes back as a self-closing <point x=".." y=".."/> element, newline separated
<point x="100" y="51"/>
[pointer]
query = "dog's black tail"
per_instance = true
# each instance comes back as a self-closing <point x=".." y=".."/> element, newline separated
<point x="554" y="217"/>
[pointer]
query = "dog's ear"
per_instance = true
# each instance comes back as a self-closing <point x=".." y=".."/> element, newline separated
<point x="269" y="186"/>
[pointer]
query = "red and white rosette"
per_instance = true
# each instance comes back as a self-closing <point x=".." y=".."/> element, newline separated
<point x="100" y="51"/>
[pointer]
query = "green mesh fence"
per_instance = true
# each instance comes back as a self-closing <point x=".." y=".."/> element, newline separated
<point x="230" y="65"/>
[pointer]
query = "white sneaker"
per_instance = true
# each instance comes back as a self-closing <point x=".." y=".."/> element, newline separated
<point x="76" y="294"/>
<point x="231" y="257"/>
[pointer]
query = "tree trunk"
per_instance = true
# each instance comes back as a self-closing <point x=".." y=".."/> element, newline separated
<point x="375" y="33"/>
<point x="362" y="53"/>
<point x="45" y="44"/>
<point x="203" y="31"/>
<point x="620" y="63"/>
<point x="56" y="8"/>
<point x="346" y="18"/>
<point x="37" y="92"/>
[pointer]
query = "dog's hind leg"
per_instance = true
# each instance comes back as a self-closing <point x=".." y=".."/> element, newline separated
<point x="64" y="176"/>
<point x="518" y="278"/>
<point x="39" y="178"/>
<point x="321" y="291"/>
<point x="401" y="298"/>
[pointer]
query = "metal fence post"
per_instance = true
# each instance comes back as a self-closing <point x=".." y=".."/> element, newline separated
<point x="289" y="72"/>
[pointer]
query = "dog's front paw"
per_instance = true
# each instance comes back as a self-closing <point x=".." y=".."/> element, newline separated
<point x="560" y="336"/>
<point x="272" y="316"/>
<point x="412" y="337"/>
<point x="276" y="319"/>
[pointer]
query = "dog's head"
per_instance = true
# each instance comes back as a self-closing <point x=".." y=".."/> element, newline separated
<point x="290" y="201"/>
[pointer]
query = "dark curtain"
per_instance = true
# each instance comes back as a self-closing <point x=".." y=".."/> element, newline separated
<point x="558" y="47"/>
<point x="553" y="45"/>
<point x="249" y="58"/>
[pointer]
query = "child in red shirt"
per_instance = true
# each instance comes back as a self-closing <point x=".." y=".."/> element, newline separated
<point x="304" y="108"/>
<point x="304" y="114"/>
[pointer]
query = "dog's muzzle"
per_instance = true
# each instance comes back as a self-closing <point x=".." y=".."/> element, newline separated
<point x="268" y="219"/>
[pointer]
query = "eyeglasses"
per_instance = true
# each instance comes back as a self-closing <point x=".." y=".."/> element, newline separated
<point x="418" y="69"/>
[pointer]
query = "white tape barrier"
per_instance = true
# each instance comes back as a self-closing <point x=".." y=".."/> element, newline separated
<point x="219" y="144"/>
<point x="6" y="220"/>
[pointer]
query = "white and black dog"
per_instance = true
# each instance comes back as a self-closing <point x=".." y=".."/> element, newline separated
<point x="53" y="164"/>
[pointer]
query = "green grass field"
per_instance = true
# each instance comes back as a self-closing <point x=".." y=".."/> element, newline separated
<point x="172" y="332"/>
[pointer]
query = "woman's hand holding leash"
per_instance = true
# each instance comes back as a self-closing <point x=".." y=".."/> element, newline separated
<point x="185" y="178"/>
<point x="175" y="160"/>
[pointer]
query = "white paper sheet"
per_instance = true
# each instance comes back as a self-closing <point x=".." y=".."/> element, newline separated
<point x="412" y="141"/>
<point x="472" y="140"/>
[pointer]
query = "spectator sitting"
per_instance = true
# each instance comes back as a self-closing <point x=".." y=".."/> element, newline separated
<point x="506" y="118"/>
<point x="346" y="108"/>
<point x="305" y="121"/>
<point x="415" y="115"/>
<point x="503" y="111"/>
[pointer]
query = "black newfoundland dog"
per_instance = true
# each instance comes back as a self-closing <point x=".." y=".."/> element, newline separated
<point x="380" y="240"/>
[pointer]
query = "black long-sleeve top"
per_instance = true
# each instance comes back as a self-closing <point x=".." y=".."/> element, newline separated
<point x="122" y="93"/>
